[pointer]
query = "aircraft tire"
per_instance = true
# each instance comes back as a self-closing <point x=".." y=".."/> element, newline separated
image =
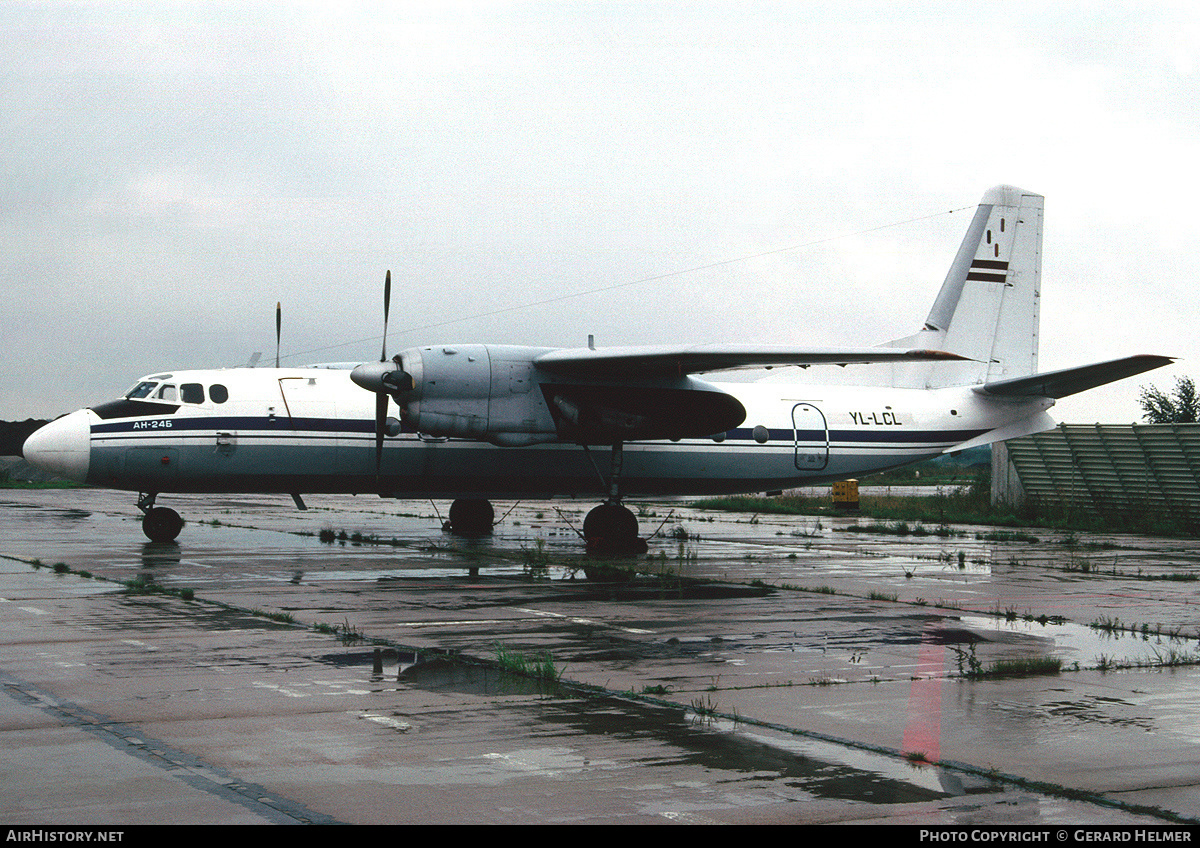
<point x="471" y="516"/>
<point x="612" y="530"/>
<point x="162" y="524"/>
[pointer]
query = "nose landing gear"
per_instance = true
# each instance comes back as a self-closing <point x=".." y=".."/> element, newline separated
<point x="159" y="523"/>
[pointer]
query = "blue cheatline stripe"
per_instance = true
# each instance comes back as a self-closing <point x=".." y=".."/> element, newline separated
<point x="285" y="427"/>
<point x="280" y="424"/>
<point x="897" y="435"/>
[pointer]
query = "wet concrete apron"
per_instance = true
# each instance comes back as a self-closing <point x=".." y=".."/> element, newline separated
<point x="815" y="694"/>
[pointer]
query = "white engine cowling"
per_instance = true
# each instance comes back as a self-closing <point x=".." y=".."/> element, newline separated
<point x="477" y="392"/>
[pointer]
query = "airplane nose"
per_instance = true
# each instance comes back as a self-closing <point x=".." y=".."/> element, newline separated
<point x="63" y="446"/>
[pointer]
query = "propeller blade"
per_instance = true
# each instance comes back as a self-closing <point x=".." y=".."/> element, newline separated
<point x="381" y="398"/>
<point x="387" y="300"/>
<point x="278" y="329"/>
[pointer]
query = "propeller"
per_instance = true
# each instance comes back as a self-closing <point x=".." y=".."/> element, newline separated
<point x="384" y="378"/>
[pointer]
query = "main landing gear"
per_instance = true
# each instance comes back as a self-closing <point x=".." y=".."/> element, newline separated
<point x="471" y="517"/>
<point x="611" y="530"/>
<point x="159" y="523"/>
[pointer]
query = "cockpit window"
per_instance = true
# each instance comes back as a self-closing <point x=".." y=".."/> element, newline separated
<point x="167" y="392"/>
<point x="191" y="393"/>
<point x="141" y="390"/>
<point x="218" y="393"/>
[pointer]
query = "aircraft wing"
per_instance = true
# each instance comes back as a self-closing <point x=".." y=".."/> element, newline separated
<point x="1069" y="381"/>
<point x="651" y="362"/>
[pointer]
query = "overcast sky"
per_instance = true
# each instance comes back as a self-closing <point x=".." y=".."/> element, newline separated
<point x="170" y="170"/>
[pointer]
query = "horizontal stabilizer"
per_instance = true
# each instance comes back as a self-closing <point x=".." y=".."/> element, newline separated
<point x="1060" y="384"/>
<point x="653" y="362"/>
<point x="1037" y="423"/>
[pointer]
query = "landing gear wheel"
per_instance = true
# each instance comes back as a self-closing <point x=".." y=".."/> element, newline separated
<point x="471" y="517"/>
<point x="161" y="524"/>
<point x="612" y="530"/>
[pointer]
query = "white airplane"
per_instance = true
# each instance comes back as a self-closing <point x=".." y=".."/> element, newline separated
<point x="476" y="421"/>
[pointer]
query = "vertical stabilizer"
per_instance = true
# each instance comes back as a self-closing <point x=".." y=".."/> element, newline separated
<point x="987" y="309"/>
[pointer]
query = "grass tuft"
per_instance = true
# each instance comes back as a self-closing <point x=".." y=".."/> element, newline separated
<point x="538" y="666"/>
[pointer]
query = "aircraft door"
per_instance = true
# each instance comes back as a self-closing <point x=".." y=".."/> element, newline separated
<point x="305" y="404"/>
<point x="307" y="417"/>
<point x="812" y="437"/>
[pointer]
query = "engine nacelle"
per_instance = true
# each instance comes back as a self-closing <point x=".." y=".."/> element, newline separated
<point x="476" y="392"/>
<point x="496" y="393"/>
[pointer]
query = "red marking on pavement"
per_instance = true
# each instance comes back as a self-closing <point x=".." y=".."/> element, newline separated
<point x="922" y="734"/>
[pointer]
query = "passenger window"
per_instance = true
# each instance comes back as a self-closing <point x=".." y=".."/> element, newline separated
<point x="191" y="393"/>
<point x="167" y="392"/>
<point x="218" y="393"/>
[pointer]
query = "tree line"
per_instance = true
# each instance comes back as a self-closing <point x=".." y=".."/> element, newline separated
<point x="1180" y="406"/>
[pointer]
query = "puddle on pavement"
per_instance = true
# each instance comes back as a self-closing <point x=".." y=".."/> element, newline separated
<point x="150" y="613"/>
<point x="31" y="512"/>
<point x="383" y="575"/>
<point x="1096" y="709"/>
<point x="1088" y="646"/>
<point x="670" y="737"/>
<point x="820" y="769"/>
<point x="844" y="772"/>
<point x="443" y="675"/>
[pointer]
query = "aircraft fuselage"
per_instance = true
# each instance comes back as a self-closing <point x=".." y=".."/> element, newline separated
<point x="311" y="430"/>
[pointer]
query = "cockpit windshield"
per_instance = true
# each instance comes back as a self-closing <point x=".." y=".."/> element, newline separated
<point x="141" y="390"/>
